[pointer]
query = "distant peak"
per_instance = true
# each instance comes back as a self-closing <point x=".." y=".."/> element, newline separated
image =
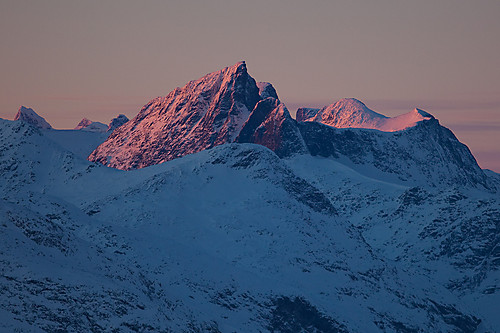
<point x="28" y="115"/>
<point x="83" y="123"/>
<point x="91" y="126"/>
<point x="352" y="113"/>
<point x="423" y="113"/>
<point x="117" y="122"/>
<point x="350" y="102"/>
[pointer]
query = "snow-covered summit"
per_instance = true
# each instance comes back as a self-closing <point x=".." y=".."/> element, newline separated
<point x="352" y="113"/>
<point x="92" y="126"/>
<point x="28" y="115"/>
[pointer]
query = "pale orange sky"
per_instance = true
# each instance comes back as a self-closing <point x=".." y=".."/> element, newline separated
<point x="96" y="59"/>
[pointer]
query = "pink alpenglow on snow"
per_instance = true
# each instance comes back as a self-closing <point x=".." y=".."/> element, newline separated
<point x="352" y="113"/>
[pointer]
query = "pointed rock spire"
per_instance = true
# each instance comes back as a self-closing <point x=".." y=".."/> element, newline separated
<point x="204" y="113"/>
<point x="29" y="116"/>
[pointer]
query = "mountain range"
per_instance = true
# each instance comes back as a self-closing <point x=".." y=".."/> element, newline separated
<point x="213" y="210"/>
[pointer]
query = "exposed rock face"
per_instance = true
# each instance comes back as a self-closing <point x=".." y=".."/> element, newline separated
<point x="271" y="125"/>
<point x="29" y="116"/>
<point x="304" y="114"/>
<point x="91" y="126"/>
<point x="204" y="113"/>
<point x="117" y="122"/>
<point x="267" y="90"/>
<point x="426" y="153"/>
<point x="229" y="106"/>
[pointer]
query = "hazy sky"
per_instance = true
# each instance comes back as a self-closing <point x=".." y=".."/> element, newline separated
<point x="96" y="59"/>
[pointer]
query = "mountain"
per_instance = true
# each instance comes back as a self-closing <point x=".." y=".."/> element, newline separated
<point x="29" y="116"/>
<point x="117" y="122"/>
<point x="271" y="125"/>
<point x="276" y="225"/>
<point x="174" y="248"/>
<point x="352" y="113"/>
<point x="229" y="106"/>
<point x="304" y="114"/>
<point x="91" y="126"/>
<point x="426" y="153"/>
<point x="204" y="113"/>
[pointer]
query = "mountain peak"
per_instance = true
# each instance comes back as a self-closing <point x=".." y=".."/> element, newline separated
<point x="83" y="123"/>
<point x="350" y="102"/>
<point x="423" y="114"/>
<point x="28" y="115"/>
<point x="352" y="113"/>
<point x="117" y="122"/>
<point x="241" y="65"/>
<point x="92" y="126"/>
<point x="203" y="114"/>
<point x="348" y="112"/>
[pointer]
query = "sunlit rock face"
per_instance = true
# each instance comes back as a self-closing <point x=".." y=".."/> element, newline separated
<point x="204" y="113"/>
<point x="229" y="106"/>
<point x="91" y="126"/>
<point x="271" y="125"/>
<point x="333" y="223"/>
<point x="29" y="116"/>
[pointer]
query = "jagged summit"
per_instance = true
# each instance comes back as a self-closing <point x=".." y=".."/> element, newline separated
<point x="91" y="126"/>
<point x="28" y="115"/>
<point x="229" y="106"/>
<point x="204" y="113"/>
<point x="117" y="122"/>
<point x="266" y="90"/>
<point x="352" y="113"/>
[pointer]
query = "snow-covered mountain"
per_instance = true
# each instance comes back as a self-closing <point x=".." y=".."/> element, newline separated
<point x="30" y="116"/>
<point x="204" y="113"/>
<point x="229" y="106"/>
<point x="275" y="225"/>
<point x="226" y="239"/>
<point x="91" y="126"/>
<point x="352" y="113"/>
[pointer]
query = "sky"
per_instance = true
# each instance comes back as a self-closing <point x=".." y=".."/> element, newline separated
<point x="99" y="58"/>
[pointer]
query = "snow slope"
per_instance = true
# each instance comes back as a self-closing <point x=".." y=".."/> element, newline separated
<point x="229" y="239"/>
<point x="255" y="222"/>
<point x="352" y="113"/>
